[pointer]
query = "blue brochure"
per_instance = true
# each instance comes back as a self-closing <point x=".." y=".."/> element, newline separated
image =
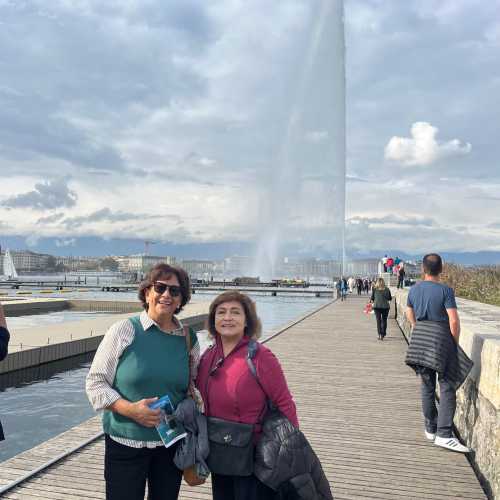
<point x="169" y="429"/>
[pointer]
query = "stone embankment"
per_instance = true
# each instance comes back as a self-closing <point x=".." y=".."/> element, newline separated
<point x="477" y="418"/>
<point x="39" y="345"/>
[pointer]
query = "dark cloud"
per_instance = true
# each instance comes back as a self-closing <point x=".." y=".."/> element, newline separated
<point x="46" y="195"/>
<point x="92" y="65"/>
<point x="50" y="218"/>
<point x="107" y="215"/>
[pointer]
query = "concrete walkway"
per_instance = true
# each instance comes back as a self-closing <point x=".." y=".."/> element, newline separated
<point x="358" y="404"/>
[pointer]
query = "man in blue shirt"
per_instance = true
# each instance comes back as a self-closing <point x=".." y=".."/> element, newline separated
<point x="4" y="342"/>
<point x="431" y="300"/>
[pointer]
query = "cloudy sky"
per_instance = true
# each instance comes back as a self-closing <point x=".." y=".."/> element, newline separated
<point x="219" y="123"/>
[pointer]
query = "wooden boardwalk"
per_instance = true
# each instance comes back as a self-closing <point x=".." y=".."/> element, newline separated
<point x="358" y="404"/>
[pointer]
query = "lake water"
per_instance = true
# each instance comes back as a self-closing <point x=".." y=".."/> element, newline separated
<point x="42" y="402"/>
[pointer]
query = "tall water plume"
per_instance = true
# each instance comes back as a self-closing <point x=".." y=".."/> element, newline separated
<point x="303" y="205"/>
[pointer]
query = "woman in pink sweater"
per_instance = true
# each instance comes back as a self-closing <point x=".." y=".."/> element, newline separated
<point x="229" y="389"/>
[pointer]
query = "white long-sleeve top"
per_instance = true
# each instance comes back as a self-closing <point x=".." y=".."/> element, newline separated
<point x="99" y="381"/>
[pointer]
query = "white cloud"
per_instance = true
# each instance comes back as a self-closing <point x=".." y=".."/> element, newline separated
<point x="206" y="162"/>
<point x="422" y="149"/>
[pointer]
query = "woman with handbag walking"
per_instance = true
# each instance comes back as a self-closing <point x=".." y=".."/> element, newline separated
<point x="381" y="300"/>
<point x="139" y="360"/>
<point x="235" y="401"/>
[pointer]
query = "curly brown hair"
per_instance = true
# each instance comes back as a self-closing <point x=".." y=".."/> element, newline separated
<point x="254" y="326"/>
<point x="166" y="271"/>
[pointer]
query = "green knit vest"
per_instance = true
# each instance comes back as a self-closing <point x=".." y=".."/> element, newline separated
<point x="154" y="364"/>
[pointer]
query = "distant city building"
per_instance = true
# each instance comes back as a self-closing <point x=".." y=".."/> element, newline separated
<point x="362" y="267"/>
<point x="27" y="261"/>
<point x="78" y="263"/>
<point x="141" y="262"/>
<point x="203" y="269"/>
<point x="238" y="265"/>
<point x="310" y="269"/>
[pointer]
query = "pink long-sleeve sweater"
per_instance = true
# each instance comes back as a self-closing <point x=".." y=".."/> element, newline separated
<point x="230" y="391"/>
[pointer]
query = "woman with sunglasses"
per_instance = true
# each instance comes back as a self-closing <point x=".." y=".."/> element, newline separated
<point x="139" y="360"/>
<point x="230" y="391"/>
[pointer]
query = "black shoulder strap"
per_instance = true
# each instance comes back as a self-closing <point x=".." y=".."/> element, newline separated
<point x="253" y="347"/>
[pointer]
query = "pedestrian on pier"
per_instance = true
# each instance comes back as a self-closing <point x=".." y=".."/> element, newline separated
<point x="4" y="345"/>
<point x="401" y="276"/>
<point x="344" y="287"/>
<point x="381" y="300"/>
<point x="140" y="359"/>
<point x="434" y="352"/>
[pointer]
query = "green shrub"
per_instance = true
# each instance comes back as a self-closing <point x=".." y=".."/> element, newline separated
<point x="480" y="283"/>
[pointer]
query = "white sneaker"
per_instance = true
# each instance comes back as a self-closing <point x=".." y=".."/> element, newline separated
<point x="430" y="435"/>
<point x="452" y="444"/>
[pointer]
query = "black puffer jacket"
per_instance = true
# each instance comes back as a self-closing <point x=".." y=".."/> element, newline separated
<point x="286" y="462"/>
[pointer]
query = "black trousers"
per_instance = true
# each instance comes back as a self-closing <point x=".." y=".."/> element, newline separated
<point x="381" y="315"/>
<point x="127" y="470"/>
<point x="240" y="488"/>
<point x="440" y="422"/>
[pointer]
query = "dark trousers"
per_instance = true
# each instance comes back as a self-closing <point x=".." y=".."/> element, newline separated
<point x="440" y="422"/>
<point x="381" y="315"/>
<point x="127" y="469"/>
<point x="240" y="488"/>
<point x="401" y="282"/>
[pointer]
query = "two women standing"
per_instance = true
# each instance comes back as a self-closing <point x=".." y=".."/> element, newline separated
<point x="381" y="299"/>
<point x="145" y="357"/>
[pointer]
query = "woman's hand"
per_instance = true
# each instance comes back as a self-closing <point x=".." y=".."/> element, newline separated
<point x="139" y="411"/>
<point x="143" y="414"/>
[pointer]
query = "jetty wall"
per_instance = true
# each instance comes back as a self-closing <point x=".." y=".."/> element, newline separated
<point x="477" y="418"/>
<point x="37" y="346"/>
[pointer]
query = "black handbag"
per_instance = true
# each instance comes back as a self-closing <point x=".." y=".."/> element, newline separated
<point x="231" y="447"/>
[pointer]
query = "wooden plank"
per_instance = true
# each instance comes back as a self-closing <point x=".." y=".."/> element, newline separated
<point x="358" y="404"/>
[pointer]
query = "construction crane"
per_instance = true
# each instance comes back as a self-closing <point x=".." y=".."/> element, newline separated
<point x="147" y="244"/>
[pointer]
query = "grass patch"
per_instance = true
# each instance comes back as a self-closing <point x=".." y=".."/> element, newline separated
<point x="481" y="283"/>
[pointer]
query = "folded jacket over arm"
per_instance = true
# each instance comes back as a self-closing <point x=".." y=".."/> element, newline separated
<point x="432" y="346"/>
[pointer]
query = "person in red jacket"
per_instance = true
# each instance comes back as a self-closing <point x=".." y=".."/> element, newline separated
<point x="231" y="392"/>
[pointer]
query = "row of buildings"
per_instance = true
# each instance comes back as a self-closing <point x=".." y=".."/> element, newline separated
<point x="27" y="261"/>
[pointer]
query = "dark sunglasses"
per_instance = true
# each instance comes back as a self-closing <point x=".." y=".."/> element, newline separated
<point x="160" y="288"/>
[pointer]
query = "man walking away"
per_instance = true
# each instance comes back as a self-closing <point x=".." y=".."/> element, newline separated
<point x="434" y="351"/>
<point x="401" y="276"/>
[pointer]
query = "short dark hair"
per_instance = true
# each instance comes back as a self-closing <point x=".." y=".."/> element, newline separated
<point x="254" y="326"/>
<point x="432" y="264"/>
<point x="165" y="271"/>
